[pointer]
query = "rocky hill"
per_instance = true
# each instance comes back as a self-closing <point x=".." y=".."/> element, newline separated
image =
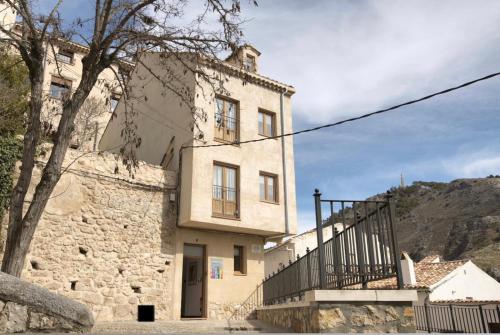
<point x="459" y="220"/>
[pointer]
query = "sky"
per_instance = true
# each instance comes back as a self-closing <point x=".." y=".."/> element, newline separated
<point x="346" y="58"/>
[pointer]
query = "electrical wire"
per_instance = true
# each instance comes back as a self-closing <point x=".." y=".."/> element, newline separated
<point x="380" y="111"/>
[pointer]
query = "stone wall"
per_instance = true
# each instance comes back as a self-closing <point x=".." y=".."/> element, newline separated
<point x="27" y="307"/>
<point x="105" y="239"/>
<point x="343" y="317"/>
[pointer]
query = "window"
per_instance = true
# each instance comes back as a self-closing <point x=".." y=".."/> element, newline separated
<point x="239" y="260"/>
<point x="226" y="120"/>
<point x="249" y="63"/>
<point x="225" y="191"/>
<point x="267" y="124"/>
<point x="59" y="87"/>
<point x="268" y="189"/>
<point x="65" y="56"/>
<point x="115" y="98"/>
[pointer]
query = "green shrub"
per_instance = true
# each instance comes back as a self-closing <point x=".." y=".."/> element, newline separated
<point x="10" y="152"/>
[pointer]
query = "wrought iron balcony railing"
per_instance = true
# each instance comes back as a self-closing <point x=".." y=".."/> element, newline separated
<point x="226" y="128"/>
<point x="225" y="201"/>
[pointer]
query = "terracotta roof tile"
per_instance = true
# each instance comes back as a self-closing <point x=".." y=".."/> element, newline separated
<point x="427" y="274"/>
<point x="430" y="258"/>
<point x="430" y="273"/>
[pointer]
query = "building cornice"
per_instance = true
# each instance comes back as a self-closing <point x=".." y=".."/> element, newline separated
<point x="250" y="77"/>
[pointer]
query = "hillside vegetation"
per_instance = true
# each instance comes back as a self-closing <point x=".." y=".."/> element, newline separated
<point x="459" y="220"/>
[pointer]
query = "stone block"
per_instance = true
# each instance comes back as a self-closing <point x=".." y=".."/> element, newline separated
<point x="92" y="298"/>
<point x="391" y="314"/>
<point x="331" y="318"/>
<point x="121" y="311"/>
<point x="13" y="318"/>
<point x="120" y="300"/>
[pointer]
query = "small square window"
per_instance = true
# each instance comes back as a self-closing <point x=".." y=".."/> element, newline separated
<point x="267" y="124"/>
<point x="268" y="189"/>
<point x="249" y="63"/>
<point x="239" y="260"/>
<point x="65" y="56"/>
<point x="59" y="88"/>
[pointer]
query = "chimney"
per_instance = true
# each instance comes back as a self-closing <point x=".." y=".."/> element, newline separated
<point x="408" y="269"/>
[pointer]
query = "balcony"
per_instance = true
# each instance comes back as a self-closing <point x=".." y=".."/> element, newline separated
<point x="225" y="202"/>
<point x="226" y="128"/>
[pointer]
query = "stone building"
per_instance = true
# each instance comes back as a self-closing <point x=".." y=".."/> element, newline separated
<point x="242" y="189"/>
<point x="187" y="233"/>
<point x="62" y="74"/>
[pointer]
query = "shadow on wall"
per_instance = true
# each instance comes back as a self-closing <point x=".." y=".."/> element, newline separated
<point x="168" y="217"/>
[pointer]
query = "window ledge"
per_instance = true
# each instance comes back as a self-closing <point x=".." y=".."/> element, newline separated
<point x="270" y="137"/>
<point x="240" y="274"/>
<point x="219" y="216"/>
<point x="270" y="202"/>
<point x="220" y="140"/>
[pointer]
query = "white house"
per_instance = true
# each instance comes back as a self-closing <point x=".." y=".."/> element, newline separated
<point x="279" y="255"/>
<point x="445" y="281"/>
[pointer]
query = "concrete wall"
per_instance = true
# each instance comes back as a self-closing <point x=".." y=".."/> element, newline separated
<point x="462" y="283"/>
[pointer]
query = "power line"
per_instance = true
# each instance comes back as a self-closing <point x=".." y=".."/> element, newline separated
<point x="328" y="125"/>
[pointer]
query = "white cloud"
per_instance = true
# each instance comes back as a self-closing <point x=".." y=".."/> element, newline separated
<point x="349" y="57"/>
<point x="480" y="165"/>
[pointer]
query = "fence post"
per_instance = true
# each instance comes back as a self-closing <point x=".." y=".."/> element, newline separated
<point x="397" y="254"/>
<point x="308" y="264"/>
<point x="299" y="282"/>
<point x="426" y="311"/>
<point x="485" y="326"/>
<point x="453" y="319"/>
<point x="319" y="235"/>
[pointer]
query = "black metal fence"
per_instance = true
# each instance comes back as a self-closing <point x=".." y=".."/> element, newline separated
<point x="363" y="248"/>
<point x="458" y="318"/>
<point x="247" y="309"/>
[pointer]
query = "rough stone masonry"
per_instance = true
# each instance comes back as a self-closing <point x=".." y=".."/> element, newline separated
<point x="106" y="239"/>
<point x="28" y="307"/>
<point x="343" y="317"/>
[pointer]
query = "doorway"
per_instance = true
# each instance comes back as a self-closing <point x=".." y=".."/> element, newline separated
<point x="193" y="281"/>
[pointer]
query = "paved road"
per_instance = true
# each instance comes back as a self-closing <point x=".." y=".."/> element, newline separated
<point x="184" y="326"/>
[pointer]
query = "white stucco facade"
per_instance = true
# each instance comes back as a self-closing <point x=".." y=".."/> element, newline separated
<point x="280" y="255"/>
<point x="467" y="282"/>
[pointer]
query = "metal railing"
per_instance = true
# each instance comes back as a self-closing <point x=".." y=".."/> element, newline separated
<point x="457" y="318"/>
<point x="226" y="128"/>
<point x="225" y="201"/>
<point x="247" y="309"/>
<point x="363" y="248"/>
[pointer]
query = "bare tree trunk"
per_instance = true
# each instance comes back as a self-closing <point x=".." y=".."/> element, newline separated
<point x="10" y="263"/>
<point x="21" y="229"/>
